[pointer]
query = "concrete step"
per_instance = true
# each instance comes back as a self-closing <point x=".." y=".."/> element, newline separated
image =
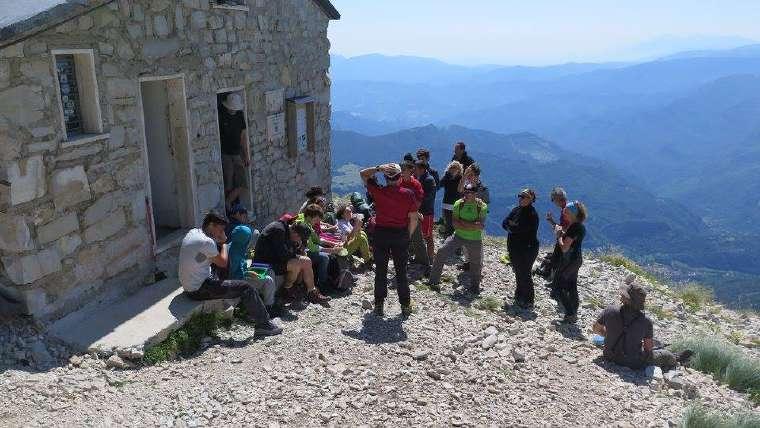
<point x="134" y="323"/>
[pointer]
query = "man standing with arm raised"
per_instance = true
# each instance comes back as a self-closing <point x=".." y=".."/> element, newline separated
<point x="396" y="219"/>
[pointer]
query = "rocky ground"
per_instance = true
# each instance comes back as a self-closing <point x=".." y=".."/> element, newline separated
<point x="457" y="361"/>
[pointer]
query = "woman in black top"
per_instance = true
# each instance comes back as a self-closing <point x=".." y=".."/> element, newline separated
<point x="570" y="242"/>
<point x="451" y="194"/>
<point x="522" y="244"/>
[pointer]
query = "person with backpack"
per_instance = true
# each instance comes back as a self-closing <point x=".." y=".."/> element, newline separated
<point x="570" y="245"/>
<point x="427" y="206"/>
<point x="629" y="334"/>
<point x="469" y="216"/>
<point x="522" y="244"/>
<point x="417" y="246"/>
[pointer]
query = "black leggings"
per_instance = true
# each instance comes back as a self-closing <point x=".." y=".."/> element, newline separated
<point x="522" y="264"/>
<point x="566" y="292"/>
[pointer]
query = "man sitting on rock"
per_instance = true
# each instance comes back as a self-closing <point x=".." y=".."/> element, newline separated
<point x="629" y="334"/>
<point x="196" y="255"/>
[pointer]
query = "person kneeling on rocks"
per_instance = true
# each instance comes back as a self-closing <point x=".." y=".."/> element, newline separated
<point x="629" y="334"/>
<point x="196" y="255"/>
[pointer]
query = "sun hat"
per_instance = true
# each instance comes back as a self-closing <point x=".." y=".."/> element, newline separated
<point x="233" y="102"/>
<point x="635" y="294"/>
<point x="393" y="172"/>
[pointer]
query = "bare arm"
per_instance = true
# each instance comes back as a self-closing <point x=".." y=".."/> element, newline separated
<point x="413" y="220"/>
<point x="600" y="329"/>
<point x="222" y="259"/>
<point x="565" y="243"/>
<point x="368" y="173"/>
<point x="647" y="344"/>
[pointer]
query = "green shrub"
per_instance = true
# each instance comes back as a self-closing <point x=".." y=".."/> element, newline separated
<point x="697" y="416"/>
<point x="616" y="258"/>
<point x="186" y="340"/>
<point x="695" y="296"/>
<point x="489" y="303"/>
<point x="725" y="362"/>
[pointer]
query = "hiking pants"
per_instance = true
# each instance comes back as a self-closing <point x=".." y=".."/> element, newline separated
<point x="213" y="289"/>
<point x="664" y="359"/>
<point x="566" y="292"/>
<point x="320" y="261"/>
<point x="360" y="244"/>
<point x="522" y="265"/>
<point x="418" y="248"/>
<point x="391" y="242"/>
<point x="266" y="288"/>
<point x="447" y="251"/>
<point x="448" y="222"/>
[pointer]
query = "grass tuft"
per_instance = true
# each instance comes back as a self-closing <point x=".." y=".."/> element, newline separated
<point x="695" y="297"/>
<point x="489" y="303"/>
<point x="616" y="258"/>
<point x="187" y="340"/>
<point x="725" y="362"/>
<point x="697" y="416"/>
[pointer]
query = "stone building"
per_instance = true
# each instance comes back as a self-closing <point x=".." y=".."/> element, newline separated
<point x="109" y="141"/>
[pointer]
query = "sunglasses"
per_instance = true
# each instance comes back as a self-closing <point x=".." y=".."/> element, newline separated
<point x="523" y="196"/>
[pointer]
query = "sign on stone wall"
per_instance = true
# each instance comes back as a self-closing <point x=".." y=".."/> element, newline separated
<point x="302" y="132"/>
<point x="276" y="126"/>
<point x="275" y="100"/>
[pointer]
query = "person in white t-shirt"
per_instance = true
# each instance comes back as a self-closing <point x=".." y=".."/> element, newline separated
<point x="199" y="250"/>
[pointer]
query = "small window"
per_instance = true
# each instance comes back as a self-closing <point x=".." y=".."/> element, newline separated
<point x="78" y="92"/>
<point x="301" y="126"/>
<point x="230" y="4"/>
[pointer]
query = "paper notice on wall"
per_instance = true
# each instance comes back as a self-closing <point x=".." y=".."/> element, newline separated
<point x="302" y="130"/>
<point x="275" y="100"/>
<point x="276" y="126"/>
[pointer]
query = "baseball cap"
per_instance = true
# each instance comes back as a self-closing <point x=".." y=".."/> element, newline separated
<point x="393" y="172"/>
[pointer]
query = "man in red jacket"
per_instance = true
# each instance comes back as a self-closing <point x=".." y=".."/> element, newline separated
<point x="396" y="218"/>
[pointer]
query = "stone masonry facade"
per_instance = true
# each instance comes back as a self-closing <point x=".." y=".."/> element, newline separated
<point x="74" y="225"/>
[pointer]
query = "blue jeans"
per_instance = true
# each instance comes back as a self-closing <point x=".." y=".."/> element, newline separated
<point x="319" y="261"/>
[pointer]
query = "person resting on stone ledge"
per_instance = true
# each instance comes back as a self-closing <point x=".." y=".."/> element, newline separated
<point x="198" y="252"/>
<point x="629" y="334"/>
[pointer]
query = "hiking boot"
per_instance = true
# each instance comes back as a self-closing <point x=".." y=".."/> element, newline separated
<point x="268" y="330"/>
<point x="316" y="297"/>
<point x="464" y="266"/>
<point x="426" y="273"/>
<point x="570" y="319"/>
<point x="406" y="310"/>
<point x="379" y="308"/>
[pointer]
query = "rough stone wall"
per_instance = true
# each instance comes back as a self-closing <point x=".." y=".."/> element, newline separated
<point x="73" y="221"/>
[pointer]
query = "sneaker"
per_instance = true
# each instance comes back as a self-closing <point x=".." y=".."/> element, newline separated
<point x="316" y="297"/>
<point x="379" y="310"/>
<point x="406" y="310"/>
<point x="269" y="330"/>
<point x="684" y="356"/>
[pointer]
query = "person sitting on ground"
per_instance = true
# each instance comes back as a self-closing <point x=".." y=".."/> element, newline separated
<point x="570" y="243"/>
<point x="360" y="206"/>
<point x="424" y="155"/>
<point x="239" y="243"/>
<point x="196" y="255"/>
<point x="469" y="220"/>
<point x="396" y="220"/>
<point x="461" y="156"/>
<point x="427" y="206"/>
<point x="238" y="215"/>
<point x="417" y="243"/>
<point x="318" y="249"/>
<point x="451" y="194"/>
<point x="522" y="244"/>
<point x="280" y="246"/>
<point x="354" y="238"/>
<point x="314" y="193"/>
<point x="629" y="334"/>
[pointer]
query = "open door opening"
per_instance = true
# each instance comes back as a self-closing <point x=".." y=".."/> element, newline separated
<point x="232" y="117"/>
<point x="168" y="151"/>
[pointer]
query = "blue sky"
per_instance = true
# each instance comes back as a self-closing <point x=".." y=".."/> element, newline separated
<point x="541" y="31"/>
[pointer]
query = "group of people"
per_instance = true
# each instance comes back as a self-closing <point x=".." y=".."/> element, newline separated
<point x="315" y="248"/>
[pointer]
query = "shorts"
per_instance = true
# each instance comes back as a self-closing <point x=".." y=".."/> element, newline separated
<point x="234" y="172"/>
<point x="427" y="226"/>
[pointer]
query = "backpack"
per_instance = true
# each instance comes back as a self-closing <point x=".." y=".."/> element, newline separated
<point x="624" y="333"/>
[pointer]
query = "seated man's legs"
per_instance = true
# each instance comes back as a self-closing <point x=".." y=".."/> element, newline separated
<point x="213" y="289"/>
<point x="300" y="268"/>
<point x="320" y="262"/>
<point x="266" y="288"/>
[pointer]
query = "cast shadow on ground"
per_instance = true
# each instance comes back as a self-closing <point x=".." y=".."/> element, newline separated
<point x="625" y="374"/>
<point x="377" y="330"/>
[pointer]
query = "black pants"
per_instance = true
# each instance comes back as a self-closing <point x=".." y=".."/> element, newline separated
<point x="213" y="288"/>
<point x="566" y="292"/>
<point x="522" y="264"/>
<point x="391" y="242"/>
<point x="448" y="223"/>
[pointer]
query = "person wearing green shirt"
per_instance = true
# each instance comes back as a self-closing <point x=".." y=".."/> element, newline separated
<point x="469" y="216"/>
<point x="319" y="255"/>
